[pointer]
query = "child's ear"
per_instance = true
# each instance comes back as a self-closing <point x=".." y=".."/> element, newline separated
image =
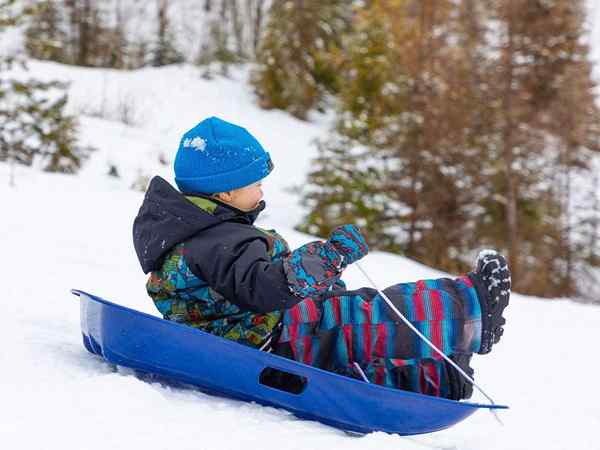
<point x="224" y="196"/>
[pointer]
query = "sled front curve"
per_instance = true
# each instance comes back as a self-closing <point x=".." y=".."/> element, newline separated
<point x="143" y="342"/>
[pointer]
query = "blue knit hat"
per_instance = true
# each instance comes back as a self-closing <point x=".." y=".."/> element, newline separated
<point x="218" y="156"/>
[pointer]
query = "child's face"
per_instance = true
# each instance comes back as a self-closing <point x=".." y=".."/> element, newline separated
<point x="246" y="198"/>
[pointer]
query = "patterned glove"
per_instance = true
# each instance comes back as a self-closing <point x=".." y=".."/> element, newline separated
<point x="348" y="241"/>
<point x="313" y="268"/>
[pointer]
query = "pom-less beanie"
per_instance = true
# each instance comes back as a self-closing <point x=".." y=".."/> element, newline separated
<point x="218" y="156"/>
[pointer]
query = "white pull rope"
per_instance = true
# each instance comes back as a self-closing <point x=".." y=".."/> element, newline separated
<point x="412" y="327"/>
<point x="360" y="372"/>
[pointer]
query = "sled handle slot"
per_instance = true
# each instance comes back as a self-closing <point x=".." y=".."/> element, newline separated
<point x="282" y="380"/>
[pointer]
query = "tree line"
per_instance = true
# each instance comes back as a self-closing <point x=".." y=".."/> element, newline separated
<point x="459" y="123"/>
<point x="129" y="34"/>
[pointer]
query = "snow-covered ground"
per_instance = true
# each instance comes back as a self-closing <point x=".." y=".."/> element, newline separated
<point x="59" y="232"/>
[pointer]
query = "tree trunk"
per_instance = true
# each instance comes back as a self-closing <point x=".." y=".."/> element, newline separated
<point x="159" y="59"/>
<point x="84" y="33"/>
<point x="238" y="28"/>
<point x="118" y="43"/>
<point x="512" y="228"/>
<point x="258" y="21"/>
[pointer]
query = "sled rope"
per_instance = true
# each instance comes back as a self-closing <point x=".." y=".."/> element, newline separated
<point x="360" y="372"/>
<point x="427" y="341"/>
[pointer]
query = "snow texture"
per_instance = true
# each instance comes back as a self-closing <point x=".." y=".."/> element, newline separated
<point x="197" y="143"/>
<point x="60" y="232"/>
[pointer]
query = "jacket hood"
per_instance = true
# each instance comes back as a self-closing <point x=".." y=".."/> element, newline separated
<point x="167" y="218"/>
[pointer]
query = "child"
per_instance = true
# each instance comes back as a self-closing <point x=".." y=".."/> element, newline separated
<point x="212" y="269"/>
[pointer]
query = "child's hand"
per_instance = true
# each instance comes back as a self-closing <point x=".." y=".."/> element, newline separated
<point x="348" y="241"/>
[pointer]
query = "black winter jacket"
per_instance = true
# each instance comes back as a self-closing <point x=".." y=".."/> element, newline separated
<point x="223" y="250"/>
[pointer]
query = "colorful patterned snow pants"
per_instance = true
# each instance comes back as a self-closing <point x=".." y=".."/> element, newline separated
<point x="345" y="327"/>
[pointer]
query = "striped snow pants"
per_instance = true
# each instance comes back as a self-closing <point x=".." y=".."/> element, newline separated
<point x="345" y="327"/>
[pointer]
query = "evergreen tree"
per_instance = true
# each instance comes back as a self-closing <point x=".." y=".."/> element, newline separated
<point x="36" y="126"/>
<point x="392" y="93"/>
<point x="234" y="29"/>
<point x="346" y="189"/>
<point x="471" y="138"/>
<point x="45" y="36"/>
<point x="577" y="142"/>
<point x="33" y="123"/>
<point x="340" y="190"/>
<point x="540" y="43"/>
<point x="219" y="38"/>
<point x="79" y="32"/>
<point x="296" y="63"/>
<point x="107" y="34"/>
<point x="165" y="52"/>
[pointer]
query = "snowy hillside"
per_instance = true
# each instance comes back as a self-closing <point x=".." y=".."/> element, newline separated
<point x="60" y="232"/>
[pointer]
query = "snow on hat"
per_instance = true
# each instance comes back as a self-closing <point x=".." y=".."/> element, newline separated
<point x="218" y="156"/>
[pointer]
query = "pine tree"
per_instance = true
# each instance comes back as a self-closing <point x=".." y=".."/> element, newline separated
<point x="165" y="51"/>
<point x="346" y="188"/>
<point x="577" y="146"/>
<point x="346" y="184"/>
<point x="33" y="123"/>
<point x="540" y="45"/>
<point x="392" y="94"/>
<point x="45" y="36"/>
<point x="79" y="32"/>
<point x="296" y="63"/>
<point x="471" y="138"/>
<point x="105" y="34"/>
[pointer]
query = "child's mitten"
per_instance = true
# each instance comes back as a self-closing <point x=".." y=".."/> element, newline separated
<point x="348" y="241"/>
<point x="313" y="268"/>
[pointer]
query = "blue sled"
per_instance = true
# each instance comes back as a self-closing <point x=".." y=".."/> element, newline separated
<point x="143" y="342"/>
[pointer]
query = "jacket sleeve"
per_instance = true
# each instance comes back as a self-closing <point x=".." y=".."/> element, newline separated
<point x="244" y="274"/>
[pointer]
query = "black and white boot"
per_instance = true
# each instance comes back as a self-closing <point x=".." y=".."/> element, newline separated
<point x="492" y="281"/>
<point x="458" y="386"/>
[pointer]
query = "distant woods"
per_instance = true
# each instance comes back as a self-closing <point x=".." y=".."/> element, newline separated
<point x="463" y="124"/>
<point x="460" y="124"/>
<point x="129" y="34"/>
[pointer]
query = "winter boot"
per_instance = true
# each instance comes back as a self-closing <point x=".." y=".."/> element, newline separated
<point x="492" y="282"/>
<point x="459" y="386"/>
